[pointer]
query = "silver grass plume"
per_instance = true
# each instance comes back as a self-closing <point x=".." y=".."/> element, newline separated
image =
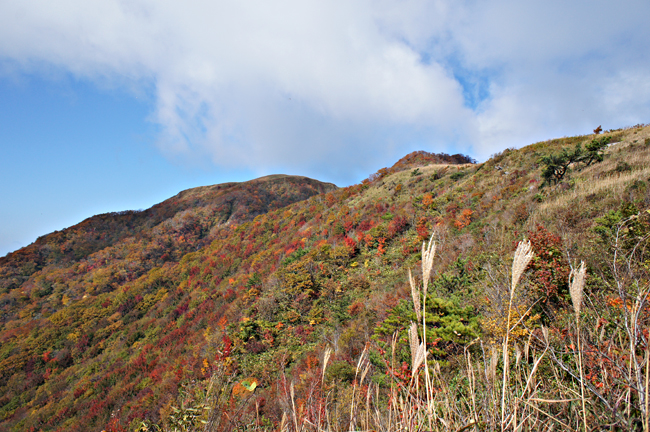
<point x="419" y="358"/>
<point x="545" y="334"/>
<point x="364" y="372"/>
<point x="576" y="286"/>
<point x="414" y="341"/>
<point x="523" y="255"/>
<point x="326" y="358"/>
<point x="418" y="352"/>
<point x="494" y="359"/>
<point x="428" y="252"/>
<point x="362" y="359"/>
<point x="415" y="293"/>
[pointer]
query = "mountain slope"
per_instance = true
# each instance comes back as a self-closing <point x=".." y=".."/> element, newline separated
<point x="45" y="287"/>
<point x="105" y="342"/>
<point x="192" y="213"/>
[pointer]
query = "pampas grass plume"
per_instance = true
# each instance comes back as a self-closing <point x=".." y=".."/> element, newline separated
<point x="415" y="293"/>
<point x="576" y="287"/>
<point x="523" y="255"/>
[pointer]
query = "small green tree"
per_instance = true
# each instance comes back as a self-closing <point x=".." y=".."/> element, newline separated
<point x="595" y="150"/>
<point x="556" y="166"/>
<point x="449" y="327"/>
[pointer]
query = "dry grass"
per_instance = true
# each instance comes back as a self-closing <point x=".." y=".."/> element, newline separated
<point x="385" y="188"/>
<point x="598" y="179"/>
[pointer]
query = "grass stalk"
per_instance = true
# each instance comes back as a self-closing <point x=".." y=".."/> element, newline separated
<point x="293" y="405"/>
<point x="577" y="283"/>
<point x="428" y="253"/>
<point x="523" y="255"/>
<point x="647" y="381"/>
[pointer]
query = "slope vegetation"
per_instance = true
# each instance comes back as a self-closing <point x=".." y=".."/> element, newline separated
<point x="282" y="316"/>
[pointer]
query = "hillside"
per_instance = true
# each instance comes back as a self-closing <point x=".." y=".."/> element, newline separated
<point x="59" y="272"/>
<point x="272" y="304"/>
<point x="183" y="221"/>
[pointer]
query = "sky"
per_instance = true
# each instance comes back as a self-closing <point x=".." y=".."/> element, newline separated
<point x="113" y="105"/>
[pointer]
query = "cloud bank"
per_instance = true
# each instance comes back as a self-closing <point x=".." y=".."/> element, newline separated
<point x="335" y="86"/>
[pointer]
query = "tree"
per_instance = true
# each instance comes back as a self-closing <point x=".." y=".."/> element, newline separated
<point x="449" y="326"/>
<point x="595" y="150"/>
<point x="556" y="166"/>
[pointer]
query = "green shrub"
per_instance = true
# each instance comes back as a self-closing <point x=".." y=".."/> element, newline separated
<point x="458" y="175"/>
<point x="623" y="166"/>
<point x="340" y="371"/>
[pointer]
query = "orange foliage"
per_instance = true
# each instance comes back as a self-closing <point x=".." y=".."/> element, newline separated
<point x="464" y="219"/>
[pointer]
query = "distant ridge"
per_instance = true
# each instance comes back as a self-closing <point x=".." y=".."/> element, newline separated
<point x="194" y="211"/>
<point x="422" y="158"/>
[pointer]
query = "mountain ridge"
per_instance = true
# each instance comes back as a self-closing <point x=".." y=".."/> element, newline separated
<point x="224" y="203"/>
<point x="124" y="336"/>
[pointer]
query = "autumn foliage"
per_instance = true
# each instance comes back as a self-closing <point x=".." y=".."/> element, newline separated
<point x="220" y="303"/>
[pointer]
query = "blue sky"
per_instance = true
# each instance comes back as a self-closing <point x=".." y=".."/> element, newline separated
<point x="71" y="150"/>
<point x="115" y="105"/>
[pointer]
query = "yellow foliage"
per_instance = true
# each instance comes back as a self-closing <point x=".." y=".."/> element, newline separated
<point x="94" y="312"/>
<point x="521" y="322"/>
<point x="59" y="318"/>
<point x="296" y="278"/>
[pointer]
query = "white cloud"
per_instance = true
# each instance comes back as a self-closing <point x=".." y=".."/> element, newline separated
<point x="336" y="85"/>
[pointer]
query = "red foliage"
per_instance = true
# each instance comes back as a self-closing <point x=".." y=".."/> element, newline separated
<point x="226" y="349"/>
<point x="452" y="209"/>
<point x="422" y="229"/>
<point x="397" y="226"/>
<point x="550" y="269"/>
<point x="365" y="225"/>
<point x="114" y="425"/>
<point x="79" y="391"/>
<point x="355" y="308"/>
<point x="380" y="248"/>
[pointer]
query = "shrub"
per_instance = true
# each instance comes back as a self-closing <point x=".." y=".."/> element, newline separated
<point x="623" y="166"/>
<point x="449" y="326"/>
<point x="458" y="175"/>
<point x="549" y="270"/>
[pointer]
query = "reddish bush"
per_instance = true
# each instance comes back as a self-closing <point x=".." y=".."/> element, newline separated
<point x="397" y="226"/>
<point x="464" y="219"/>
<point x="550" y="269"/>
<point x="422" y="229"/>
